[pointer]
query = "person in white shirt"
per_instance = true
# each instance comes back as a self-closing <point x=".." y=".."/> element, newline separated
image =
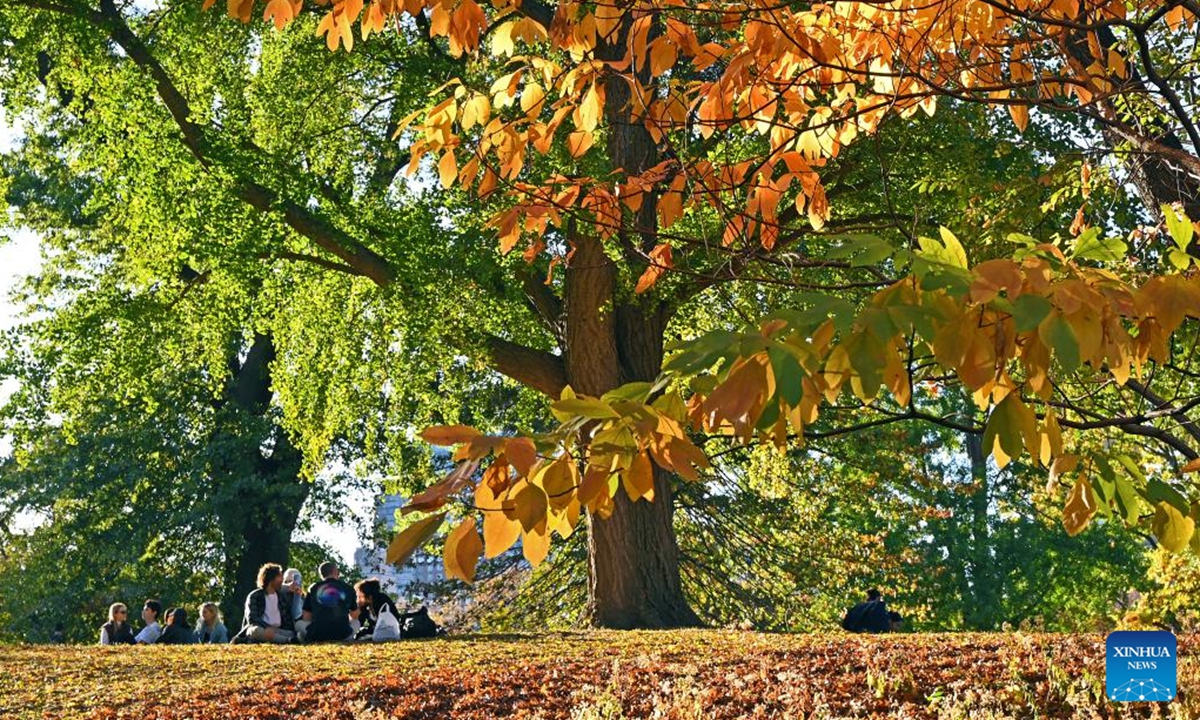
<point x="266" y="618"/>
<point x="149" y="634"/>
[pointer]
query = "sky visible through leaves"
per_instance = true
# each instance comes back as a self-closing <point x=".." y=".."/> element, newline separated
<point x="20" y="257"/>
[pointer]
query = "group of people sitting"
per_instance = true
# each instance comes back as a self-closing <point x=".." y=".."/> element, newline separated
<point x="279" y="610"/>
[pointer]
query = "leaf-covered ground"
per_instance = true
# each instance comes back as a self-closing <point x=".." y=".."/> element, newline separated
<point x="693" y="674"/>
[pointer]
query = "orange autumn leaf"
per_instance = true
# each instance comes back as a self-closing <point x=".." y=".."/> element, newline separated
<point x="660" y="262"/>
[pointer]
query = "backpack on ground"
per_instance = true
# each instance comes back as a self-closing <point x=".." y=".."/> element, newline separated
<point x="419" y="625"/>
<point x="854" y="618"/>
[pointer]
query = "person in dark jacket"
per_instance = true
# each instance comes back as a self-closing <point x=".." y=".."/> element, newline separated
<point x="117" y="630"/>
<point x="177" y="631"/>
<point x="870" y="616"/>
<point x="371" y="601"/>
<point x="266" y="619"/>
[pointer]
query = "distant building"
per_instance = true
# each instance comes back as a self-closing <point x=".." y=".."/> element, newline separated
<point x="421" y="568"/>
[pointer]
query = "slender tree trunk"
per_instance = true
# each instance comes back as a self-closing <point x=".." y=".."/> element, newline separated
<point x="980" y="613"/>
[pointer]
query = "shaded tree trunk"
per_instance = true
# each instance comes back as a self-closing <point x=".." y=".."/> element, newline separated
<point x="259" y="491"/>
<point x="633" y="556"/>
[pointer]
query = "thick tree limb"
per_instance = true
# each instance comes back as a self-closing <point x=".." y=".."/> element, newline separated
<point x="545" y="303"/>
<point x="308" y="222"/>
<point x="537" y="369"/>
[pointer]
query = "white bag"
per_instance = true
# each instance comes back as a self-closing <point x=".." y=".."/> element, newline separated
<point x="387" y="627"/>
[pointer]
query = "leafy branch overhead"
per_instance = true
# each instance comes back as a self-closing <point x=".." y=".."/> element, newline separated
<point x="807" y="82"/>
<point x="1005" y="328"/>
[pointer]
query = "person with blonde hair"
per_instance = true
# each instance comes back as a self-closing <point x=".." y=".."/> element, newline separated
<point x="209" y="628"/>
<point x="117" y="630"/>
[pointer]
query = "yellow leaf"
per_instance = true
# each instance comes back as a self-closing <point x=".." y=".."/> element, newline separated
<point x="1173" y="529"/>
<point x="499" y="532"/>
<point x="1081" y="505"/>
<point x="502" y="39"/>
<point x="447" y="169"/>
<point x="345" y="32"/>
<point x="587" y="115"/>
<point x="528" y="506"/>
<point x="564" y="522"/>
<point x="558" y="480"/>
<point x="531" y="99"/>
<point x="579" y="142"/>
<point x="412" y="537"/>
<point x="595" y="483"/>
<point x="476" y="111"/>
<point x="461" y="553"/>
<point x="639" y="478"/>
<point x="521" y="454"/>
<point x="535" y="544"/>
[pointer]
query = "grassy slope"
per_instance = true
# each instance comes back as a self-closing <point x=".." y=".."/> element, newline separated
<point x="693" y="674"/>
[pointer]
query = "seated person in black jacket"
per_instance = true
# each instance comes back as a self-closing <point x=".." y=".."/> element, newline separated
<point x="177" y="631"/>
<point x="265" y="618"/>
<point x="371" y="601"/>
<point x="870" y="616"/>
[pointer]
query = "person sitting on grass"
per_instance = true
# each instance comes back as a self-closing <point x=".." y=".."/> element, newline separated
<point x="177" y="631"/>
<point x="870" y="616"/>
<point x="209" y="629"/>
<point x="266" y="619"/>
<point x="329" y="607"/>
<point x="117" y="630"/>
<point x="372" y="601"/>
<point x="150" y="613"/>
<point x="293" y="593"/>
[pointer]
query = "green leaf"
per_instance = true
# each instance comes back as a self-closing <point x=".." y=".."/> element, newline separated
<point x="1179" y="259"/>
<point x="789" y="376"/>
<point x="1132" y="467"/>
<point x="1179" y="227"/>
<point x="862" y="250"/>
<point x="1174" y="529"/>
<point x="1057" y="333"/>
<point x="954" y="249"/>
<point x="1091" y="246"/>
<point x="564" y="410"/>
<point x="1129" y="504"/>
<point x="637" y="392"/>
<point x="1158" y="491"/>
<point x="1029" y="311"/>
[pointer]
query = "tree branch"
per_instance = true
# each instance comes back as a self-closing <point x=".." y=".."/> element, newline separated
<point x="536" y="369"/>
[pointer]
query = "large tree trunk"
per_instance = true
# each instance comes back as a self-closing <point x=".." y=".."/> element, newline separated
<point x="633" y="558"/>
<point x="261" y="494"/>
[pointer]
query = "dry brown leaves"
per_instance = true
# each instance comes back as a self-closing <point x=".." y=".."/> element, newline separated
<point x="692" y="674"/>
